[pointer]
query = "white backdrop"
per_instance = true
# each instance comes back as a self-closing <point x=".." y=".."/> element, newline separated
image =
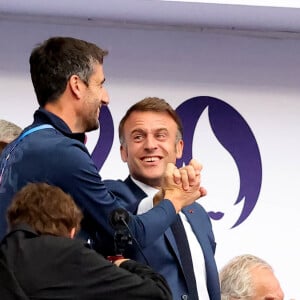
<point x="257" y="76"/>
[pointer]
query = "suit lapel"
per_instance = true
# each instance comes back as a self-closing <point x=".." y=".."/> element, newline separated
<point x="139" y="193"/>
<point x="193" y="216"/>
<point x="200" y="228"/>
<point x="171" y="240"/>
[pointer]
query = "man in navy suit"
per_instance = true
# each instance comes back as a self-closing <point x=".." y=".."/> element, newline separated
<point x="151" y="136"/>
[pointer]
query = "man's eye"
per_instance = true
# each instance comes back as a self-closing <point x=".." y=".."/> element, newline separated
<point x="137" y="137"/>
<point x="161" y="135"/>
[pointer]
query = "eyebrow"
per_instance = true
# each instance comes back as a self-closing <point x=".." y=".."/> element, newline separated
<point x="143" y="131"/>
<point x="137" y="130"/>
<point x="164" y="129"/>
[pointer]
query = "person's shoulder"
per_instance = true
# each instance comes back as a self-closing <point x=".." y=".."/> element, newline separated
<point x="60" y="149"/>
<point x="58" y="241"/>
<point x="64" y="246"/>
<point x="124" y="188"/>
<point x="114" y="184"/>
<point x="53" y="136"/>
<point x="77" y="251"/>
<point x="196" y="208"/>
<point x="125" y="192"/>
<point x="196" y="205"/>
<point x="62" y="251"/>
<point x="40" y="246"/>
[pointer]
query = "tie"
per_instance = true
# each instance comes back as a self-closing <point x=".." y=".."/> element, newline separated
<point x="185" y="256"/>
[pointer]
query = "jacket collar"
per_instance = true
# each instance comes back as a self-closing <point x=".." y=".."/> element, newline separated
<point x="24" y="228"/>
<point x="42" y="116"/>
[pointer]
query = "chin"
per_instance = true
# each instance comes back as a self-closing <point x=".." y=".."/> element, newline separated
<point x="153" y="177"/>
<point x="93" y="126"/>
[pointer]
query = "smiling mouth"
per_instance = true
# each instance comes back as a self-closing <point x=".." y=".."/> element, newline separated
<point x="151" y="159"/>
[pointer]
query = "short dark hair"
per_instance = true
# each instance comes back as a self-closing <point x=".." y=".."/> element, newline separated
<point x="151" y="104"/>
<point x="45" y="208"/>
<point x="53" y="62"/>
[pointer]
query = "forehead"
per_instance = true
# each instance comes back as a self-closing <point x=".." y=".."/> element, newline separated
<point x="266" y="283"/>
<point x="149" y="120"/>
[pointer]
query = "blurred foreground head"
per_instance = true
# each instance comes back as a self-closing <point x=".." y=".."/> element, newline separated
<point x="8" y="132"/>
<point x="251" y="278"/>
<point x="46" y="209"/>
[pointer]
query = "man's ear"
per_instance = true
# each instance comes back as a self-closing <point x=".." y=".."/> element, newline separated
<point x="179" y="149"/>
<point x="72" y="233"/>
<point x="123" y="151"/>
<point x="75" y="84"/>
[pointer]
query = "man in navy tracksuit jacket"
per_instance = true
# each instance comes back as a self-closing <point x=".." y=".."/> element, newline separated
<point x="68" y="78"/>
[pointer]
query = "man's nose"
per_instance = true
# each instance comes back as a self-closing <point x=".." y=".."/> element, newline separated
<point x="150" y="142"/>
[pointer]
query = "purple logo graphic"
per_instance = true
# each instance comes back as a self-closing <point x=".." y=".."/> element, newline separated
<point x="105" y="140"/>
<point x="234" y="134"/>
<point x="229" y="128"/>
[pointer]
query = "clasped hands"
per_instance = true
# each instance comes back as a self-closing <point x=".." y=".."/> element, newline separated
<point x="181" y="185"/>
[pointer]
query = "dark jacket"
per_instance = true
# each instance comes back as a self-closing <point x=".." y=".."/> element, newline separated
<point x="59" y="157"/>
<point x="51" y="267"/>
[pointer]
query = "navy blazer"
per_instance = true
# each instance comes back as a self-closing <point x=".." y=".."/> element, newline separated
<point x="163" y="255"/>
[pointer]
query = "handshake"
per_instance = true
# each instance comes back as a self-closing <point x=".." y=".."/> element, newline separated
<point x="181" y="186"/>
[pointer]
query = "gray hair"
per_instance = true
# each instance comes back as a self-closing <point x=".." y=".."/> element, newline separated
<point x="9" y="131"/>
<point x="235" y="277"/>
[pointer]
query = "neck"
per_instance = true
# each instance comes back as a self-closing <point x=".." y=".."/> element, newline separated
<point x="66" y="112"/>
<point x="155" y="183"/>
